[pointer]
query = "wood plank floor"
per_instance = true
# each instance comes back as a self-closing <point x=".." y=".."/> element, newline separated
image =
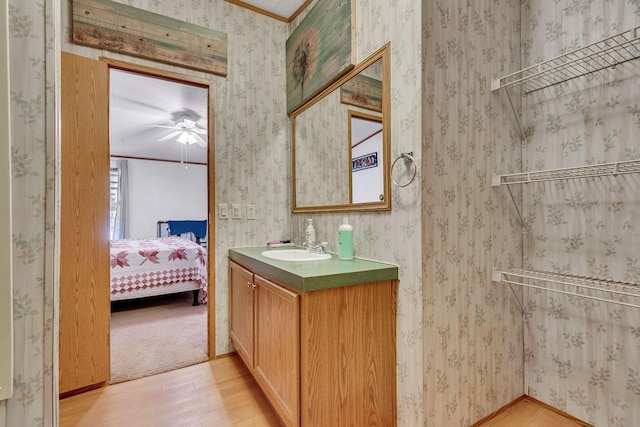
<point x="217" y="393"/>
<point x="530" y="413"/>
<point x="223" y="393"/>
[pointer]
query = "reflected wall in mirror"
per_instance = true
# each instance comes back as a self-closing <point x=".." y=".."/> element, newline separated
<point x="341" y="143"/>
<point x="365" y="140"/>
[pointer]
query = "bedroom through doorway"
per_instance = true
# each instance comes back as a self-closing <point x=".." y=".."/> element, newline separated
<point x="158" y="223"/>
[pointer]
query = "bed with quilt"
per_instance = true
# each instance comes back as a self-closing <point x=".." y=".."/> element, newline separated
<point x="148" y="267"/>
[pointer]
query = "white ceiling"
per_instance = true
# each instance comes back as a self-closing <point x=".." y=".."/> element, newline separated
<point x="136" y="102"/>
<point x="282" y="8"/>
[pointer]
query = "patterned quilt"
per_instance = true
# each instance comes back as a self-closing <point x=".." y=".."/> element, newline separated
<point x="143" y="263"/>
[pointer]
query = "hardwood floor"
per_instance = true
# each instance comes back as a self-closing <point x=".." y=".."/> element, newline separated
<point x="223" y="393"/>
<point x="528" y="412"/>
<point x="212" y="394"/>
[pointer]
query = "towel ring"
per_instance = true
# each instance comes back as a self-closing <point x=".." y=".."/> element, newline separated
<point x="408" y="158"/>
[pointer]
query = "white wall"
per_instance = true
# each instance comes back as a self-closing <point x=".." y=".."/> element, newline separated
<point x="159" y="191"/>
<point x="367" y="183"/>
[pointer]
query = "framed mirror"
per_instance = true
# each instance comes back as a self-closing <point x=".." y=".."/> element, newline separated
<point x="341" y="143"/>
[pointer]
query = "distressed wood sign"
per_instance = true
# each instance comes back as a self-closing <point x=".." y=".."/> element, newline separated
<point x="117" y="27"/>
<point x="320" y="50"/>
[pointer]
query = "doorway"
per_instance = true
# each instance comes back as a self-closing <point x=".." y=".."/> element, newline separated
<point x="83" y="317"/>
<point x="158" y="204"/>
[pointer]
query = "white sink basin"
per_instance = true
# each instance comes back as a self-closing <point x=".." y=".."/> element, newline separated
<point x="294" y="255"/>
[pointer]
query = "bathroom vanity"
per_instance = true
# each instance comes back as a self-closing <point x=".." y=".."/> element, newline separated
<point x="318" y="336"/>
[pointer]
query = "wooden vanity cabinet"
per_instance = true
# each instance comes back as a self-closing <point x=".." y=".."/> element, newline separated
<point x="264" y="330"/>
<point x="323" y="357"/>
<point x="241" y="315"/>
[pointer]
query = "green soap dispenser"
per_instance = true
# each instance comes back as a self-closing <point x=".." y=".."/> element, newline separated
<point x="345" y="240"/>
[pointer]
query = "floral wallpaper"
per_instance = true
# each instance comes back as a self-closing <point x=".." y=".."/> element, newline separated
<point x="33" y="155"/>
<point x="392" y="236"/>
<point x="473" y="360"/>
<point x="582" y="356"/>
<point x="322" y="153"/>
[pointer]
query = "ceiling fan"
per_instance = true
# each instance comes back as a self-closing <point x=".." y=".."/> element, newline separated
<point x="186" y="131"/>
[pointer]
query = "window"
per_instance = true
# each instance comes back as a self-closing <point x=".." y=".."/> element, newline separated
<point x="113" y="200"/>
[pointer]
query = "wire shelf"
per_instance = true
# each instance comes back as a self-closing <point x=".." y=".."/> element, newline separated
<point x="568" y="281"/>
<point x="602" y="169"/>
<point x="606" y="53"/>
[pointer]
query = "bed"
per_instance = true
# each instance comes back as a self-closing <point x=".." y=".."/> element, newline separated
<point x="148" y="267"/>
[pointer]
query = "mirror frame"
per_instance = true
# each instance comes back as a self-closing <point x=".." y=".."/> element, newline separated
<point x="383" y="53"/>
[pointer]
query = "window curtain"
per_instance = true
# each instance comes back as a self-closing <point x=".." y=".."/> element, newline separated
<point x="121" y="226"/>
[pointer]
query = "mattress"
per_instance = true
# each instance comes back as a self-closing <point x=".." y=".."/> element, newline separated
<point x="146" y="267"/>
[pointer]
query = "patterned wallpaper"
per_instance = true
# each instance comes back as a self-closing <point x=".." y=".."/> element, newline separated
<point x="460" y="337"/>
<point x="582" y="356"/>
<point x="392" y="236"/>
<point x="473" y="361"/>
<point x="33" y="153"/>
<point x="322" y="153"/>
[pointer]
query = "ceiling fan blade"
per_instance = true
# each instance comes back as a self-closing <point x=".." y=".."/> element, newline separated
<point x="162" y="126"/>
<point x="200" y="141"/>
<point x="200" y="131"/>
<point x="171" y="135"/>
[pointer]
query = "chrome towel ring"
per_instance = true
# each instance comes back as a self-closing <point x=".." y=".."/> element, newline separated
<point x="408" y="160"/>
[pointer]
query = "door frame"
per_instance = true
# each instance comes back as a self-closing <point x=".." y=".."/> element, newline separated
<point x="211" y="238"/>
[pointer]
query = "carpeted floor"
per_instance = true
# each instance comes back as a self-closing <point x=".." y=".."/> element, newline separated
<point x="157" y="334"/>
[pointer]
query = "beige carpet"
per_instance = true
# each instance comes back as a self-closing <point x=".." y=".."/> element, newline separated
<point x="156" y="335"/>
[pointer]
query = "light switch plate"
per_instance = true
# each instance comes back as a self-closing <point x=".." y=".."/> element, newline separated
<point x="235" y="211"/>
<point x="251" y="211"/>
<point x="223" y="211"/>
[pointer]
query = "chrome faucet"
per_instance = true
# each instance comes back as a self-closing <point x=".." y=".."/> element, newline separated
<point x="316" y="247"/>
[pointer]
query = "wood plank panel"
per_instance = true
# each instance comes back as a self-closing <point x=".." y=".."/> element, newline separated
<point x="348" y="355"/>
<point x="84" y="244"/>
<point x="121" y="28"/>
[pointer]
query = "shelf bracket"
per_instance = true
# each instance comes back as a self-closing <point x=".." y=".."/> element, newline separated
<point x="515" y="114"/>
<point x="496" y="276"/>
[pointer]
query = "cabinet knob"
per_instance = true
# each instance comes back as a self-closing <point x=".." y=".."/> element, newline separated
<point x="249" y="284"/>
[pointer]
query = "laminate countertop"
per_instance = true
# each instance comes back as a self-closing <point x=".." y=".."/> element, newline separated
<point x="313" y="275"/>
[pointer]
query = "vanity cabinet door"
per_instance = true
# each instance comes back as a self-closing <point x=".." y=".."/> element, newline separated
<point x="242" y="312"/>
<point x="277" y="351"/>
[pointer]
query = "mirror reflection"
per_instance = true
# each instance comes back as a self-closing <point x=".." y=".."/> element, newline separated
<point x="365" y="138"/>
<point x="341" y="143"/>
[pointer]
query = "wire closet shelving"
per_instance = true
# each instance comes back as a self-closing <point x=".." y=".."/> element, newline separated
<point x="606" y="53"/>
<point x="609" y="290"/>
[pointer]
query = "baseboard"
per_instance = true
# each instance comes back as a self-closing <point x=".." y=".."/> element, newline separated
<point x="220" y="356"/>
<point x="537" y="402"/>
<point x="82" y="390"/>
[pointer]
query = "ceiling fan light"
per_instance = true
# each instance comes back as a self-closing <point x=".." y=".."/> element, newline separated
<point x="185" y="138"/>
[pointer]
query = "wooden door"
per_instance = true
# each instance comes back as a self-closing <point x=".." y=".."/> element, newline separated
<point x="241" y="312"/>
<point x="84" y="211"/>
<point x="277" y="355"/>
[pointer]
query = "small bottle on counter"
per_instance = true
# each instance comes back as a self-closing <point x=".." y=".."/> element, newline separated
<point x="345" y="240"/>
<point x="310" y="232"/>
